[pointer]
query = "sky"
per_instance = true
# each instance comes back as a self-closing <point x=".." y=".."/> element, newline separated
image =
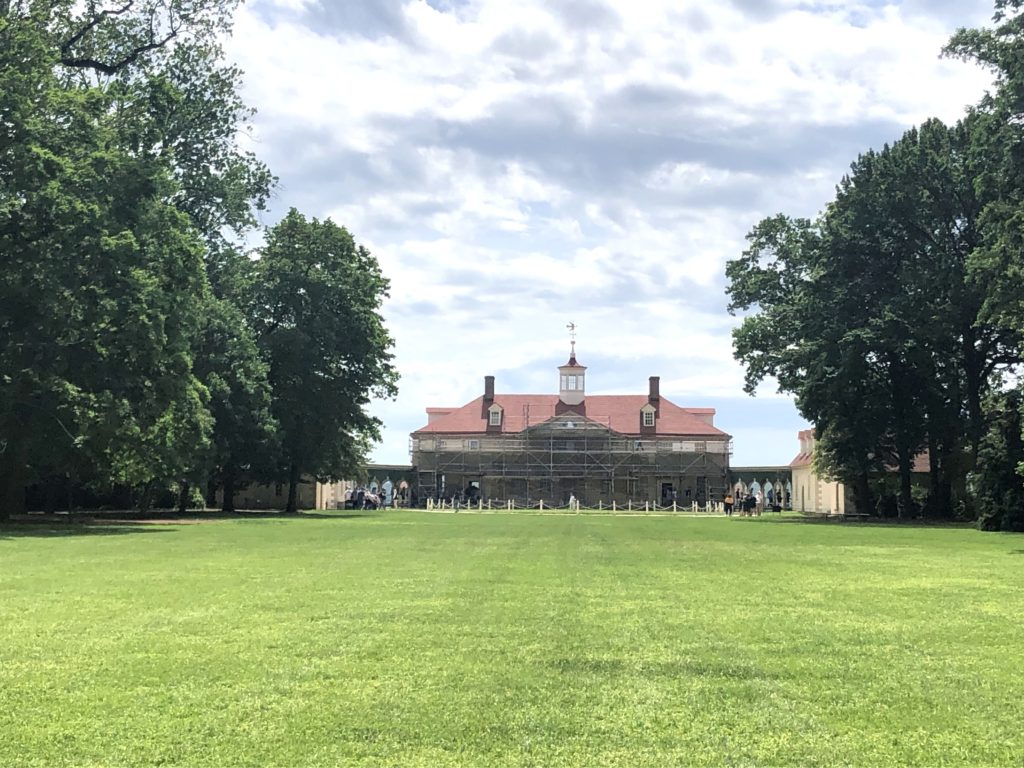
<point x="517" y="166"/>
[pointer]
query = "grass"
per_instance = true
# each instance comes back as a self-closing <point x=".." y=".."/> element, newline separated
<point x="409" y="639"/>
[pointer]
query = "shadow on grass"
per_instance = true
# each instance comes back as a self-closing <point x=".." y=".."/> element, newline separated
<point x="124" y="522"/>
<point x="871" y="522"/>
<point x="333" y="515"/>
<point x="48" y="529"/>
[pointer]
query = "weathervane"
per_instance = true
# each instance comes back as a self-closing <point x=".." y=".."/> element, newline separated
<point x="572" y="336"/>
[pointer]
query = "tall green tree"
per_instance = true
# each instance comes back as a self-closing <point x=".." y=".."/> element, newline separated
<point x="998" y="263"/>
<point x="118" y="178"/>
<point x="244" y="445"/>
<point x="316" y="304"/>
<point x="870" y="316"/>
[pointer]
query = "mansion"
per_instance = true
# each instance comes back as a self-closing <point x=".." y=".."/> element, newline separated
<point x="552" y="447"/>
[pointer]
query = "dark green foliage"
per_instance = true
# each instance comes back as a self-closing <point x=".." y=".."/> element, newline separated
<point x="999" y="492"/>
<point x="245" y="441"/>
<point x="126" y="358"/>
<point x="872" y="317"/>
<point x="98" y="285"/>
<point x="316" y="301"/>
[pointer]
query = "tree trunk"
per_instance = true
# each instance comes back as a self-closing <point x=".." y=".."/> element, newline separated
<point x="146" y="498"/>
<point x="902" y="402"/>
<point x="228" y="503"/>
<point x="940" y="489"/>
<point x="13" y="477"/>
<point x="211" y="493"/>
<point x="183" y="495"/>
<point x="974" y="363"/>
<point x="293" y="489"/>
<point x="862" y="494"/>
<point x="50" y="494"/>
<point x="905" y="503"/>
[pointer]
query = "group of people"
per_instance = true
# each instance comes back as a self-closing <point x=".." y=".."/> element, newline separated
<point x="750" y="505"/>
<point x="745" y="505"/>
<point x="363" y="498"/>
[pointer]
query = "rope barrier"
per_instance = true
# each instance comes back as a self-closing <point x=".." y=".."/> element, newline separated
<point x="632" y="506"/>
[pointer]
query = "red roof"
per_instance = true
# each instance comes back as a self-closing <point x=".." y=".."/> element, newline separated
<point x="621" y="413"/>
<point x="801" y="460"/>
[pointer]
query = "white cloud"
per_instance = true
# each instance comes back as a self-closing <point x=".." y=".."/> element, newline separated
<point x="515" y="166"/>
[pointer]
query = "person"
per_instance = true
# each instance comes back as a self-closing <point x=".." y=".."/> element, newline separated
<point x="572" y="502"/>
<point x="728" y="504"/>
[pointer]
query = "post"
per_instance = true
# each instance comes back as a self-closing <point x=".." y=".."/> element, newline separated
<point x="542" y="505"/>
<point x="629" y="505"/>
<point x="614" y="508"/>
<point x="673" y="505"/>
<point x="647" y="506"/>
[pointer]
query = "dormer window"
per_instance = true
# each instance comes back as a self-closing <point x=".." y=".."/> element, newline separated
<point x="494" y="415"/>
<point x="647" y="414"/>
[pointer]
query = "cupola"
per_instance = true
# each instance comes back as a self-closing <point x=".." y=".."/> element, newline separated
<point x="571" y="389"/>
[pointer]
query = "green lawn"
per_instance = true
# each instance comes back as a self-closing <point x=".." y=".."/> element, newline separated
<point x="414" y="639"/>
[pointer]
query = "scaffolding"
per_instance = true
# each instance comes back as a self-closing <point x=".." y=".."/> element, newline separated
<point x="571" y="456"/>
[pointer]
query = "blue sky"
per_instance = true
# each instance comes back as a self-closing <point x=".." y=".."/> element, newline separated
<point x="519" y="166"/>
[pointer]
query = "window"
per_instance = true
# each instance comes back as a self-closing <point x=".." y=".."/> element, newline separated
<point x="473" y="445"/>
<point x="648" y="418"/>
<point x="495" y="417"/>
<point x="572" y="382"/>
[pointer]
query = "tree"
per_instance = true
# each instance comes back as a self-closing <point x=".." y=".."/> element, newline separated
<point x="809" y="351"/>
<point x="998" y="262"/>
<point x="244" y="443"/>
<point x="997" y="483"/>
<point x="119" y="176"/>
<point x="871" y="315"/>
<point x="316" y="301"/>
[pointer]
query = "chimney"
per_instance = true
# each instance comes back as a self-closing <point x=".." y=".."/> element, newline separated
<point x="654" y="395"/>
<point x="488" y="389"/>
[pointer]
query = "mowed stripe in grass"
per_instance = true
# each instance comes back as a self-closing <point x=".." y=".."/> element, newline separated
<point x="413" y="639"/>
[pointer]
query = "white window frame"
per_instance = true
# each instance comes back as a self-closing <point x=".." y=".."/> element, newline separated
<point x="648" y="418"/>
<point x="495" y="417"/>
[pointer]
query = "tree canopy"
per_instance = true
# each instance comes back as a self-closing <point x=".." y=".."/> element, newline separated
<point x="894" y="317"/>
<point x="316" y="310"/>
<point x="128" y="347"/>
